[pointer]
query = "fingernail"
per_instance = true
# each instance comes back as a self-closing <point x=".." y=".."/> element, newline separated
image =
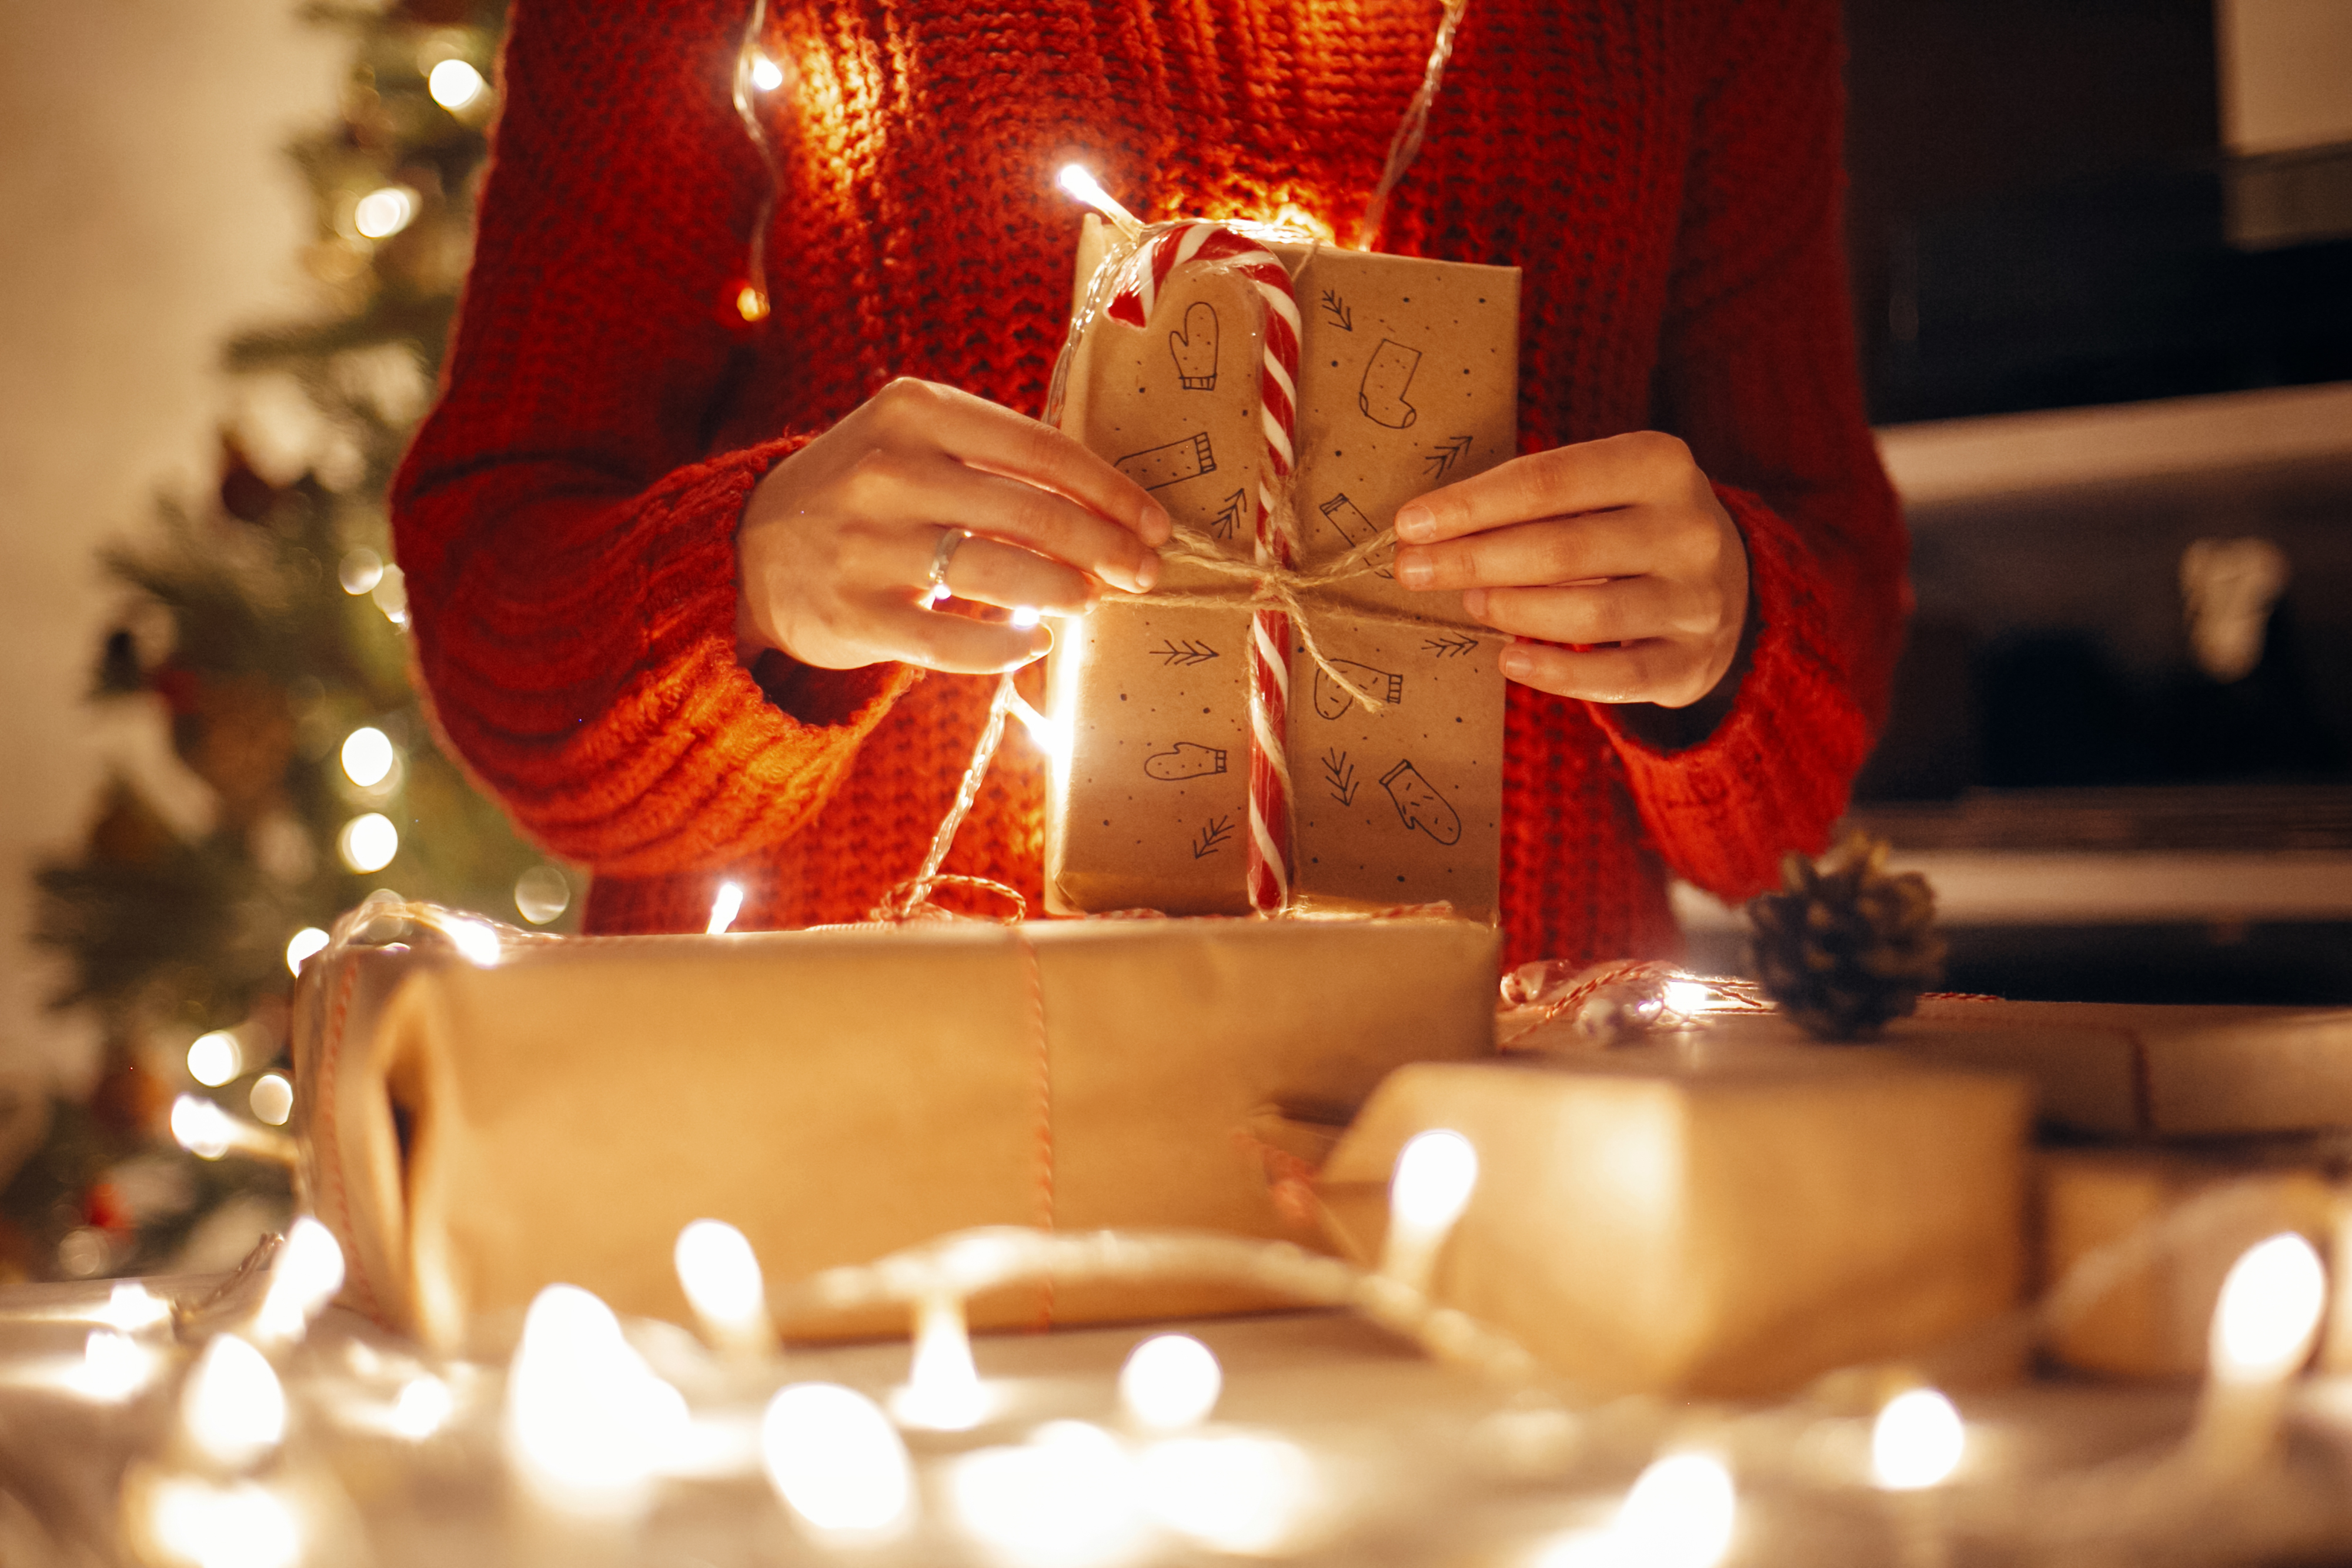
<point x="1415" y="571"/>
<point x="1147" y="574"/>
<point x="1516" y="661"/>
<point x="1416" y="523"/>
<point x="1157" y="529"/>
<point x="1474" y="601"/>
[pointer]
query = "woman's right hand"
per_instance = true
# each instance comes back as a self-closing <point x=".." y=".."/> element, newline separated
<point x="835" y="548"/>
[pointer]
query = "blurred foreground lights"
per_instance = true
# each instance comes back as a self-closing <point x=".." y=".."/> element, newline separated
<point x="132" y="1307"/>
<point x="301" y="945"/>
<point x="391" y="595"/>
<point x="454" y="85"/>
<point x="942" y="1391"/>
<point x="1170" y="1381"/>
<point x="360" y="571"/>
<point x="721" y="1275"/>
<point x="725" y="905"/>
<point x="367" y="756"/>
<point x="272" y="1098"/>
<point x="835" y="1459"/>
<point x="200" y="1525"/>
<point x="114" y="1367"/>
<point x="766" y="74"/>
<point x="587" y="1421"/>
<point x="422" y="1408"/>
<point x="1242" y="1495"/>
<point x="1685" y="999"/>
<point x="2269" y="1311"/>
<point x="1066" y="1499"/>
<point x="541" y="893"/>
<point x="201" y="1127"/>
<point x="303" y="1278"/>
<point x="234" y="1408"/>
<point x="1434" y="1176"/>
<point x="1918" y="1442"/>
<point x="216" y="1058"/>
<point x="384" y="212"/>
<point x="477" y="942"/>
<point x="1679" y="1513"/>
<point x="368" y="842"/>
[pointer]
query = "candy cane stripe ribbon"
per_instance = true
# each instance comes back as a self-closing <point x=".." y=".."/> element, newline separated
<point x="1268" y="868"/>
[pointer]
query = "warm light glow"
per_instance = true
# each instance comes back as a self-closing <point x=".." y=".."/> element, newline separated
<point x="1066" y="1499"/>
<point x="368" y="842"/>
<point x="721" y="1278"/>
<point x="587" y="1419"/>
<point x="1054" y="738"/>
<point x="234" y="1408"/>
<point x="272" y="1098"/>
<point x="541" y="893"/>
<point x="201" y="1127"/>
<point x="302" y="944"/>
<point x="305" y="1276"/>
<point x="114" y="1367"/>
<point x="1024" y="617"/>
<point x="1679" y="1514"/>
<point x="1685" y="999"/>
<point x="750" y="303"/>
<point x="454" y="85"/>
<point x="360" y="570"/>
<point x="766" y="74"/>
<point x="835" y="1459"/>
<point x="384" y="212"/>
<point x="423" y="1407"/>
<point x="1080" y="182"/>
<point x="214" y="1059"/>
<point x="477" y="942"/>
<point x="1234" y="1494"/>
<point x="240" y="1525"/>
<point x="1433" y="1179"/>
<point x="391" y="595"/>
<point x="367" y="756"/>
<point x="942" y="1391"/>
<point x="1918" y="1442"/>
<point x="2269" y="1310"/>
<point x="1170" y="1381"/>
<point x="725" y="907"/>
<point x="132" y="1307"/>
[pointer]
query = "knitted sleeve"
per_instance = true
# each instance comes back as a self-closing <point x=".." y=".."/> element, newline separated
<point x="566" y="536"/>
<point x="1758" y="374"/>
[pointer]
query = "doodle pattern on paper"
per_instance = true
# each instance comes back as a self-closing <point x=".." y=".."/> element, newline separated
<point x="1340" y="774"/>
<point x="1194" y="349"/>
<point x="1450" y="647"/>
<point x="1337" y="309"/>
<point x="1185" y="759"/>
<point x="1156" y="467"/>
<point x="1381" y="395"/>
<point x="1355" y="527"/>
<point x="1420" y="805"/>
<point x="1213" y="835"/>
<point x="1228" y="520"/>
<point x="1441" y="459"/>
<point x="1332" y="700"/>
<point x="1184" y="655"/>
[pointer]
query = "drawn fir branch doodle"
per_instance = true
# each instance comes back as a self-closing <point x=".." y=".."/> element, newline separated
<point x="1228" y="520"/>
<point x="1441" y="459"/>
<point x="1340" y="774"/>
<point x="1213" y="836"/>
<point x="1449" y="647"/>
<point x="1184" y="655"/>
<point x="1337" y="308"/>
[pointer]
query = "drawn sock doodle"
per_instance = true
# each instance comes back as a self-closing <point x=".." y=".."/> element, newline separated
<point x="1195" y="348"/>
<point x="1178" y="460"/>
<point x="1186" y="759"/>
<point x="1382" y="396"/>
<point x="1331" y="698"/>
<point x="1420" y="804"/>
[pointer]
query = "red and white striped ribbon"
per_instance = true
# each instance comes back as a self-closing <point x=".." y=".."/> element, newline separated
<point x="1268" y="866"/>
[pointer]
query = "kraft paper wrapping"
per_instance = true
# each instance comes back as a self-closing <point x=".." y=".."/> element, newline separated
<point x="1408" y="380"/>
<point x="837" y="1096"/>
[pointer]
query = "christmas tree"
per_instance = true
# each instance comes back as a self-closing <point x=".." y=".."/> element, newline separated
<point x="271" y="622"/>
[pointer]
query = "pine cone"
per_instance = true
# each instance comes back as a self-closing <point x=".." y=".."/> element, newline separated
<point x="1845" y="946"/>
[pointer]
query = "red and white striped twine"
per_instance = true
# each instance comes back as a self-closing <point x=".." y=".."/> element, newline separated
<point x="1268" y="866"/>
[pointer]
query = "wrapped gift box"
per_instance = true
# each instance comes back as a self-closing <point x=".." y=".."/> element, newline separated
<point x="473" y="1133"/>
<point x="1711" y="1219"/>
<point x="1407" y="379"/>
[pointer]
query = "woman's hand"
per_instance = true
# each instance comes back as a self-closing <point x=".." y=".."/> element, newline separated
<point x="1614" y="554"/>
<point x="836" y="544"/>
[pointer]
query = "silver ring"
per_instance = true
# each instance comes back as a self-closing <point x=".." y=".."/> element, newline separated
<point x="950" y="541"/>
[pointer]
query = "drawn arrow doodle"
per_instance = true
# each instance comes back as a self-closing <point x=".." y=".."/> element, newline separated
<point x="1340" y="774"/>
<point x="1449" y="647"/>
<point x="1337" y="308"/>
<point x="1442" y="458"/>
<point x="1228" y="515"/>
<point x="1212" y="837"/>
<point x="1176" y="654"/>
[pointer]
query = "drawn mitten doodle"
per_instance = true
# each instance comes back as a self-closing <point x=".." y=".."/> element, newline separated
<point x="1186" y="759"/>
<point x="1420" y="804"/>
<point x="1195" y="348"/>
<point x="1382" y="396"/>
<point x="1331" y="698"/>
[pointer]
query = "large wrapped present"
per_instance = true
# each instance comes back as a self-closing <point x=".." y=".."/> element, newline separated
<point x="1406" y="379"/>
<point x="480" y="1116"/>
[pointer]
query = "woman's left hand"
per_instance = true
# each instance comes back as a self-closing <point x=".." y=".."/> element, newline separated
<point x="1615" y="555"/>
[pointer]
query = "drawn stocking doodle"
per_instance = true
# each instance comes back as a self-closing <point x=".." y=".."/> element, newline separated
<point x="1420" y="804"/>
<point x="1195" y="348"/>
<point x="1382" y="396"/>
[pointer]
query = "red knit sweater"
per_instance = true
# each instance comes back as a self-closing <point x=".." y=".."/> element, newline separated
<point x="1666" y="171"/>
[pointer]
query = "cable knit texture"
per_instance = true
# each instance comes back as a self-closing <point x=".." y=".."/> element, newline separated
<point x="1665" y="173"/>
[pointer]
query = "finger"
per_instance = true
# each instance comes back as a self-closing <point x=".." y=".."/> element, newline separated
<point x="1652" y="672"/>
<point x="988" y="572"/>
<point x="992" y="437"/>
<point x="1633" y="542"/>
<point x="1592" y="476"/>
<point x="950" y="493"/>
<point x="1629" y="610"/>
<point x="956" y="645"/>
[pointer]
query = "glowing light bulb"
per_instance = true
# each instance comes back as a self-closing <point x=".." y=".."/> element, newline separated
<point x="367" y="756"/>
<point x="360" y="570"/>
<point x="942" y="1391"/>
<point x="835" y="1459"/>
<point x="721" y="1275"/>
<point x="239" y="1525"/>
<point x="303" y="945"/>
<point x="751" y="303"/>
<point x="541" y="893"/>
<point x="368" y="842"/>
<point x="766" y="74"/>
<point x="1079" y="181"/>
<point x="131" y="1307"/>
<point x="391" y="595"/>
<point x="454" y="85"/>
<point x="1242" y="1495"/>
<point x="1170" y="1381"/>
<point x="1066" y="1499"/>
<point x="384" y="212"/>
<point x="1917" y="1442"/>
<point x="1054" y="738"/>
<point x="1685" y="999"/>
<point x="1679" y="1513"/>
<point x="201" y="1127"/>
<point x="305" y="1276"/>
<point x="234" y="1408"/>
<point x="476" y="940"/>
<point x="113" y="1366"/>
<point x="587" y="1420"/>
<point x="1435" y="1175"/>
<point x="724" y="908"/>
<point x="2268" y="1312"/>
<point x="1024" y="617"/>
<point x="422" y="1408"/>
<point x="272" y="1098"/>
<point x="216" y="1058"/>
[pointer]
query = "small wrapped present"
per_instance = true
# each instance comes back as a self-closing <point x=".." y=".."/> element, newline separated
<point x="1389" y="724"/>
<point x="479" y="1116"/>
<point x="1709" y="1218"/>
